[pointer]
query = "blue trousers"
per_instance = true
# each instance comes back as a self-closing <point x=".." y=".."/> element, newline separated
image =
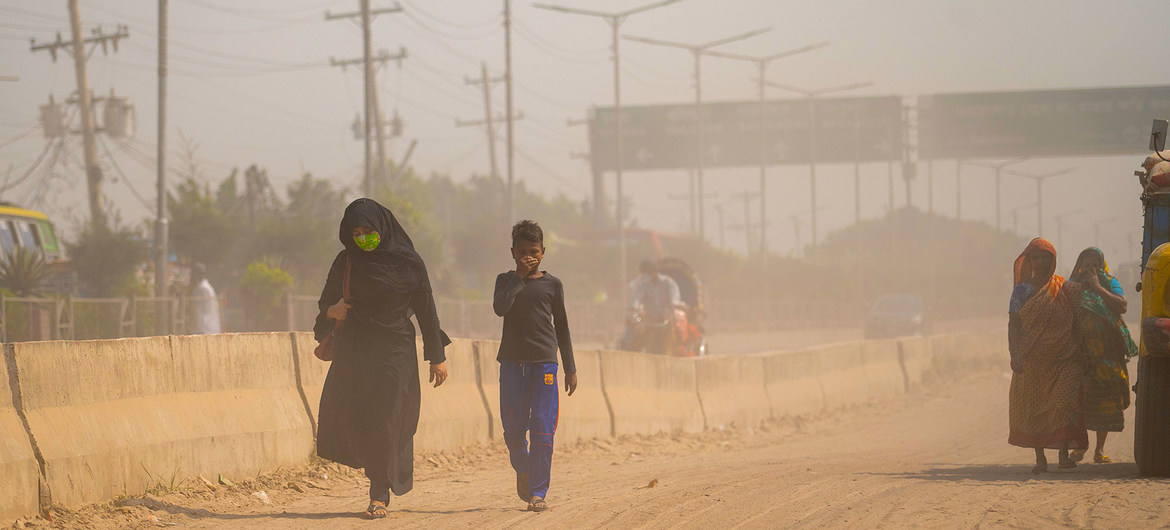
<point x="529" y="410"/>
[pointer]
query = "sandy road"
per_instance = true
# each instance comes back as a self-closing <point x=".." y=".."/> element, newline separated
<point x="937" y="459"/>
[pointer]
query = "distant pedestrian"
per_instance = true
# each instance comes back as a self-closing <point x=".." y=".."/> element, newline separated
<point x="204" y="302"/>
<point x="532" y="303"/>
<point x="370" y="401"/>
<point x="1044" y="403"/>
<point x="1106" y="347"/>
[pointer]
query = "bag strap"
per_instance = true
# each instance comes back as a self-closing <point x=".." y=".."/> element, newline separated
<point x="345" y="282"/>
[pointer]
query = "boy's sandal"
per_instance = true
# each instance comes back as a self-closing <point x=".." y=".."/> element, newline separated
<point x="537" y="504"/>
<point x="1102" y="459"/>
<point x="1076" y="455"/>
<point x="376" y="510"/>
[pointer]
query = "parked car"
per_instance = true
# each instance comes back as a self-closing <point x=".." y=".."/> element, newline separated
<point x="897" y="315"/>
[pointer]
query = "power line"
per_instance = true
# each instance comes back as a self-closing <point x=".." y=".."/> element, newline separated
<point x="125" y="179"/>
<point x="550" y="172"/>
<point x="460" y="25"/>
<point x="481" y="36"/>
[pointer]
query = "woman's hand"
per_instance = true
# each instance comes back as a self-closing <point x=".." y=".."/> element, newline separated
<point x="338" y="311"/>
<point x="438" y="373"/>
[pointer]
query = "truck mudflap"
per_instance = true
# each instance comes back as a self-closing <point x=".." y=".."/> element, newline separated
<point x="1155" y="337"/>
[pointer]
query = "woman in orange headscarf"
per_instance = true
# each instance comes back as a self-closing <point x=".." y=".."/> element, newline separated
<point x="1044" y="404"/>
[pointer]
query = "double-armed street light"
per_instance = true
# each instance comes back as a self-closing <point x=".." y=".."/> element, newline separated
<point x="812" y="155"/>
<point x="615" y="21"/>
<point x="762" y="64"/>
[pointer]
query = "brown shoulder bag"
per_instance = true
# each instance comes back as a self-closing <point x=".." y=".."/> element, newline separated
<point x="324" y="349"/>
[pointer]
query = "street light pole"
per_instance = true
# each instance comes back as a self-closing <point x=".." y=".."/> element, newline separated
<point x="1039" y="178"/>
<point x="812" y="154"/>
<point x="615" y="21"/>
<point x="700" y="133"/>
<point x="762" y="64"/>
<point x="998" y="174"/>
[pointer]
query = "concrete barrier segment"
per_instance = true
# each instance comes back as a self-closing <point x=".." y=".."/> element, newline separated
<point x="917" y="360"/>
<point x="489" y="383"/>
<point x="311" y="373"/>
<point x="651" y="393"/>
<point x="792" y="382"/>
<point x="585" y="414"/>
<point x="120" y="416"/>
<point x="732" y="391"/>
<point x="883" y="369"/>
<point x="20" y="470"/>
<point x="452" y="415"/>
<point x="842" y="375"/>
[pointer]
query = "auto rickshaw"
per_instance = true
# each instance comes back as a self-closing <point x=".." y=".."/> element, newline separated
<point x="681" y="333"/>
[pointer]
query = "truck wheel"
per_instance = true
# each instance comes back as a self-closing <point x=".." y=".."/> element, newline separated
<point x="1151" y="441"/>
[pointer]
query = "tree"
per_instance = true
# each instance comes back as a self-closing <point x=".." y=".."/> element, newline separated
<point x="106" y="258"/>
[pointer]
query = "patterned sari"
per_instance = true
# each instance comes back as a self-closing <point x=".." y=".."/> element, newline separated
<point x="1106" y="346"/>
<point x="1044" y="403"/>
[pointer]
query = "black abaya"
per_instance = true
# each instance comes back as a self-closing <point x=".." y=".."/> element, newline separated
<point x="370" y="402"/>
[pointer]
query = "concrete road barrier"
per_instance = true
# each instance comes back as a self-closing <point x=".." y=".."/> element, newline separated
<point x="489" y="383"/>
<point x="792" y="382"/>
<point x="883" y="369"/>
<point x="19" y="470"/>
<point x="454" y="414"/>
<point x="120" y="416"/>
<point x="842" y="374"/>
<point x="584" y="415"/>
<point x="917" y="360"/>
<point x="651" y="393"/>
<point x="732" y="391"/>
<point x="311" y="373"/>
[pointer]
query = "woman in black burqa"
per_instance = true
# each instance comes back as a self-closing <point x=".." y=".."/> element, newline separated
<point x="370" y="401"/>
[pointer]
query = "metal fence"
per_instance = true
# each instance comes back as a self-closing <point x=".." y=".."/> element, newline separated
<point x="24" y="319"/>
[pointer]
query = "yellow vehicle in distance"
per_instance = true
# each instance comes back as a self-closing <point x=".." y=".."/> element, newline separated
<point x="33" y="230"/>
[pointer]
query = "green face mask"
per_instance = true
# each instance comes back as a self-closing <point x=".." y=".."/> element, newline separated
<point x="368" y="242"/>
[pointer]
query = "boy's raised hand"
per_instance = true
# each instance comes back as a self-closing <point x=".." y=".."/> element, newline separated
<point x="571" y="383"/>
<point x="525" y="266"/>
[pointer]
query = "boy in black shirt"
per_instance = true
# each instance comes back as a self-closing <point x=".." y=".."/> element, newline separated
<point x="532" y="303"/>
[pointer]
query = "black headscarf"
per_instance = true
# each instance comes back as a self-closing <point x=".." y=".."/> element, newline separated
<point x="395" y="265"/>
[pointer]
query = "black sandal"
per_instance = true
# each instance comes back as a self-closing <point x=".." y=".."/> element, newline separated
<point x="376" y="510"/>
<point x="537" y="504"/>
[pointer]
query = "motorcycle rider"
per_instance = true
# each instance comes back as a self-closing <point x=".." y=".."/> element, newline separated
<point x="656" y="293"/>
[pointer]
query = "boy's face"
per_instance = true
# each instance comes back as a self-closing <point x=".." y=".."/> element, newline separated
<point x="529" y="253"/>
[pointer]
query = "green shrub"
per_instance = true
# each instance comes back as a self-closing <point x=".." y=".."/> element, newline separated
<point x="264" y="288"/>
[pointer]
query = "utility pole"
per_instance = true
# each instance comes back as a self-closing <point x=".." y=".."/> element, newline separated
<point x="161" y="238"/>
<point x="488" y="120"/>
<point x="700" y="131"/>
<point x="508" y="109"/>
<point x="747" y="197"/>
<point x="719" y="212"/>
<point x="762" y="65"/>
<point x="615" y="21"/>
<point x="76" y="48"/>
<point x="1097" y="228"/>
<point x="959" y="189"/>
<point x="690" y="198"/>
<point x="812" y="150"/>
<point x="373" y="116"/>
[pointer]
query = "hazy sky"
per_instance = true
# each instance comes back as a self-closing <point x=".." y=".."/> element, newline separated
<point x="251" y="83"/>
